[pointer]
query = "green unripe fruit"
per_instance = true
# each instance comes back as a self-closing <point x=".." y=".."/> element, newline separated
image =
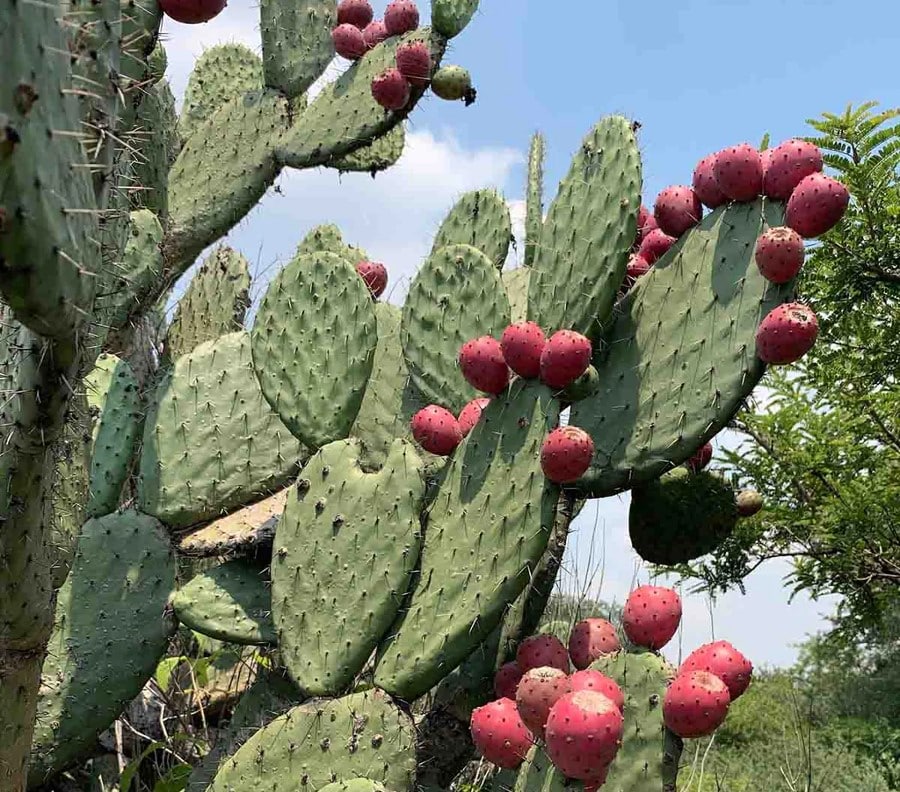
<point x="584" y="387"/>
<point x="453" y="83"/>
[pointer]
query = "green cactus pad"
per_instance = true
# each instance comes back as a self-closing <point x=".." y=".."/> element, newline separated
<point x="111" y="631"/>
<point x="46" y="247"/>
<point x="487" y="529"/>
<point x="296" y="42"/>
<point x="231" y="603"/>
<point x="456" y="296"/>
<point x="142" y="55"/>
<point x="681" y="516"/>
<point x="328" y="239"/>
<point x="471" y="683"/>
<point x="157" y="142"/>
<point x="648" y="758"/>
<point x="113" y="393"/>
<point x="214" y="304"/>
<point x="534" y="199"/>
<point x="211" y="441"/>
<point x="242" y="531"/>
<point x="355" y="785"/>
<point x="516" y="283"/>
<point x="379" y="155"/>
<point x="450" y="17"/>
<point x="588" y="233"/>
<point x="211" y="188"/>
<point x="537" y="774"/>
<point x="314" y="340"/>
<point x="345" y="116"/>
<point x="480" y="219"/>
<point x="682" y="351"/>
<point x="344" y="551"/>
<point x="221" y="74"/>
<point x="323" y="741"/>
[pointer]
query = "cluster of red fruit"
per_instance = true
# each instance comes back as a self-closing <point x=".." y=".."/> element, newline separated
<point x="486" y="362"/>
<point x="580" y="717"/>
<point x="789" y="172"/>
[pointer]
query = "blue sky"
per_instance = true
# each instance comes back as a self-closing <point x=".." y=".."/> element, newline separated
<point x="698" y="75"/>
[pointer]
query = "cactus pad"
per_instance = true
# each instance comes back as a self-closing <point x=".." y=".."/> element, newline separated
<point x="516" y="283"/>
<point x="231" y="602"/>
<point x="456" y="296"/>
<point x="537" y="774"/>
<point x="450" y="17"/>
<point x="156" y="138"/>
<point x="313" y="341"/>
<point x="588" y="233"/>
<point x="344" y="551"/>
<point x="355" y="785"/>
<point x="323" y="741"/>
<point x="379" y="155"/>
<point x="682" y="351"/>
<point x="480" y="219"/>
<point x="111" y="630"/>
<point x="328" y="239"/>
<point x="487" y="529"/>
<point x="534" y="199"/>
<point x="296" y="42"/>
<point x="211" y="441"/>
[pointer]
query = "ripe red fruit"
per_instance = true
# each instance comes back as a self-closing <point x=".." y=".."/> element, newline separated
<point x="522" y="345"/>
<point x="588" y="679"/>
<point x="471" y="414"/>
<point x="374" y="273"/>
<point x="695" y="704"/>
<point x="701" y="459"/>
<point x="738" y="171"/>
<point x="538" y="690"/>
<point x="374" y="33"/>
<point x="565" y="358"/>
<point x="584" y="732"/>
<point x="786" y="334"/>
<point x="499" y="733"/>
<point x="414" y="62"/>
<point x="348" y="42"/>
<point x="705" y="185"/>
<point x="651" y="616"/>
<point x="391" y="90"/>
<point x="787" y="165"/>
<point x="482" y="364"/>
<point x="636" y="268"/>
<point x="401" y="16"/>
<point x="721" y="659"/>
<point x="436" y="430"/>
<point x="646" y="222"/>
<point x="566" y="454"/>
<point x="817" y="205"/>
<point x="542" y="650"/>
<point x="590" y="639"/>
<point x="506" y="680"/>
<point x="779" y="254"/>
<point x="655" y="245"/>
<point x="192" y="12"/>
<point x="355" y="12"/>
<point x="677" y="209"/>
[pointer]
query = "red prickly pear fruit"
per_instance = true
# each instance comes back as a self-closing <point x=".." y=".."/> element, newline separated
<point x="817" y="205"/>
<point x="636" y="268"/>
<point x="566" y="454"/>
<point x="375" y="275"/>
<point x="482" y="364"/>
<point x="588" y="679"/>
<point x="565" y="358"/>
<point x="695" y="704"/>
<point x="414" y="62"/>
<point x="721" y="659"/>
<point x="499" y="733"/>
<point x="192" y="12"/>
<point x="651" y="616"/>
<point x="677" y="209"/>
<point x="358" y="13"/>
<point x="541" y="651"/>
<point x="779" y="254"/>
<point x="655" y="245"/>
<point x="348" y="42"/>
<point x="391" y="90"/>
<point x="590" y="639"/>
<point x="401" y="16"/>
<point x="646" y="222"/>
<point x="436" y="430"/>
<point x="704" y="182"/>
<point x="738" y="171"/>
<point x="471" y="413"/>
<point x="701" y="459"/>
<point x="375" y="33"/>
<point x="538" y="690"/>
<point x="787" y="165"/>
<point x="506" y="680"/>
<point x="583" y="734"/>
<point x="522" y="345"/>
<point x="749" y="502"/>
<point x="786" y="334"/>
